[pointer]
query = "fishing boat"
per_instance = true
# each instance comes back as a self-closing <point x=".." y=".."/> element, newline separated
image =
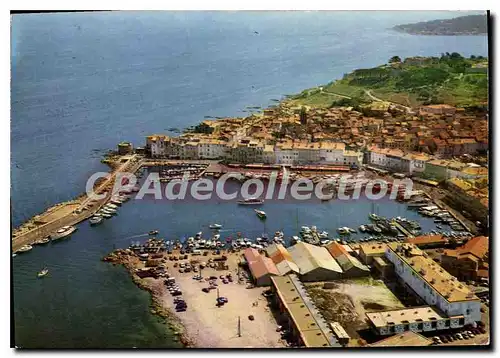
<point x="215" y="226"/>
<point x="153" y="232"/>
<point x="96" y="220"/>
<point x="24" y="248"/>
<point x="261" y="214"/>
<point x="63" y="232"/>
<point x="43" y="273"/>
<point x="250" y="201"/>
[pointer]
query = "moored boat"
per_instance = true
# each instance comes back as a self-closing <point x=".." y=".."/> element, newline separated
<point x="63" y="232"/>
<point x="215" y="226"/>
<point x="96" y="220"/>
<point x="24" y="248"/>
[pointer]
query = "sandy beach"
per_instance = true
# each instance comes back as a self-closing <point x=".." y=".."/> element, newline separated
<point x="203" y="324"/>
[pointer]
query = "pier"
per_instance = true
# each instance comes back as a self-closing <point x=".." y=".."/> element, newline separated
<point x="401" y="228"/>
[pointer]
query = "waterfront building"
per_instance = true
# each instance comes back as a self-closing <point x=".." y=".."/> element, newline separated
<point x="332" y="153"/>
<point x="428" y="241"/>
<point x="368" y="251"/>
<point x="433" y="284"/>
<point x="414" y="163"/>
<point x="285" y="153"/>
<point x="314" y="262"/>
<point x="350" y="265"/>
<point x="469" y="261"/>
<point x="261" y="268"/>
<point x="212" y="149"/>
<point x="282" y="259"/>
<point x="471" y="196"/>
<point x="299" y="315"/>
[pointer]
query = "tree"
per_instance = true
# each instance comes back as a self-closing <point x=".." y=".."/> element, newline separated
<point x="303" y="115"/>
<point x="395" y="59"/>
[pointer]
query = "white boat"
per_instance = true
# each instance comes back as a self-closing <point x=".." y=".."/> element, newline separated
<point x="250" y="201"/>
<point x="305" y="229"/>
<point x="24" y="248"/>
<point x="43" y="241"/>
<point x="111" y="206"/>
<point x="323" y="235"/>
<point x="109" y="211"/>
<point x="96" y="220"/>
<point x="106" y="215"/>
<point x="198" y="235"/>
<point x="63" y="232"/>
<point x="261" y="214"/>
<point x="343" y="230"/>
<point x="215" y="226"/>
<point x="43" y="273"/>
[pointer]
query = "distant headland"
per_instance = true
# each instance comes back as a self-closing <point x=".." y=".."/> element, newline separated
<point x="463" y="25"/>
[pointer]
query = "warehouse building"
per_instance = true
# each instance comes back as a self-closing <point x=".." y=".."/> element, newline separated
<point x="415" y="319"/>
<point x="434" y="284"/>
<point x="315" y="263"/>
<point x="350" y="265"/>
<point x="261" y="268"/>
<point x="299" y="315"/>
<point x="282" y="259"/>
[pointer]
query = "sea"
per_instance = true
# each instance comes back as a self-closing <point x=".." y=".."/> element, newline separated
<point x="83" y="82"/>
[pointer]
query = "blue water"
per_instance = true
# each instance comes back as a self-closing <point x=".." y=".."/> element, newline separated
<point x="82" y="82"/>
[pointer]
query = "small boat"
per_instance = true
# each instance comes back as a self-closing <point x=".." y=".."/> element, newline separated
<point x="250" y="201"/>
<point x="106" y="215"/>
<point x="112" y="206"/>
<point x="153" y="232"/>
<point x="374" y="217"/>
<point x="215" y="226"/>
<point x="109" y="211"/>
<point x="344" y="230"/>
<point x="25" y="248"/>
<point x="261" y="214"/>
<point x="63" y="232"/>
<point x="43" y="241"/>
<point x="95" y="220"/>
<point x="43" y="273"/>
<point x="14" y="255"/>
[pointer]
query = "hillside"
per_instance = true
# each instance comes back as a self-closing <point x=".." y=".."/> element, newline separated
<point x="450" y="79"/>
<point x="463" y="25"/>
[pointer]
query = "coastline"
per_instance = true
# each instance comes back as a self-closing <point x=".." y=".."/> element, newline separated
<point x="204" y="325"/>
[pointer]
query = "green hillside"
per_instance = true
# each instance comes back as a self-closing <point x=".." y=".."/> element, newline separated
<point x="450" y="79"/>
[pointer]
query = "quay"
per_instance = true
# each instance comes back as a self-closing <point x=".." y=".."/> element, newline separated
<point x="402" y="229"/>
<point x="73" y="212"/>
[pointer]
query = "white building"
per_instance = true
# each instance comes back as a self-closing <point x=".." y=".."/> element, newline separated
<point x="433" y="284"/>
<point x="285" y="154"/>
<point x="212" y="149"/>
<point x="415" y="319"/>
<point x="333" y="153"/>
<point x="414" y="163"/>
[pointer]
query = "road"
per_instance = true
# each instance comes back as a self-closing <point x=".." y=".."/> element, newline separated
<point x="376" y="99"/>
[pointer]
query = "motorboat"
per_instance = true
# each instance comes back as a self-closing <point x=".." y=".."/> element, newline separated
<point x="43" y="273"/>
<point x="362" y="228"/>
<point x="43" y="241"/>
<point x="344" y="230"/>
<point x="215" y="226"/>
<point x="198" y="235"/>
<point x="24" y="248"/>
<point x="250" y="201"/>
<point x="261" y="214"/>
<point x="106" y="215"/>
<point x="112" y="206"/>
<point x="63" y="232"/>
<point x="96" y="220"/>
<point x="374" y="217"/>
<point x="153" y="232"/>
<point x="323" y="235"/>
<point x="109" y="211"/>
